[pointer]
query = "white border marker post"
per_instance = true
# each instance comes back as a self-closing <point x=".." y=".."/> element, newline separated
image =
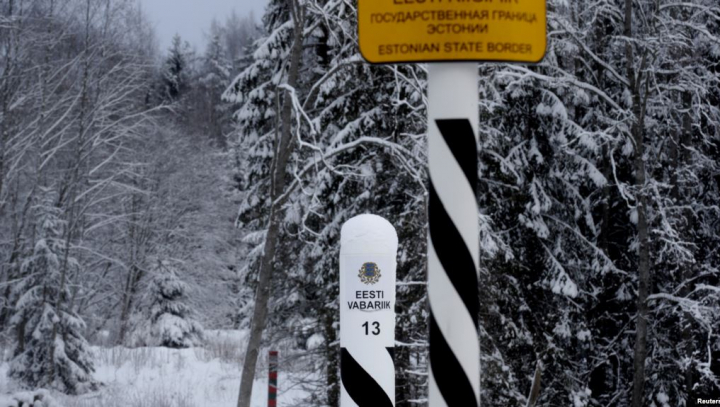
<point x="453" y="246"/>
<point x="368" y="253"/>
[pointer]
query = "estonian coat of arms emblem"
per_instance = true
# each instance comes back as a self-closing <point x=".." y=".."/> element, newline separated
<point x="369" y="273"/>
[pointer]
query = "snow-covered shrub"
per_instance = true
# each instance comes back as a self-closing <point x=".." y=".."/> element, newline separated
<point x="39" y="398"/>
<point x="225" y="346"/>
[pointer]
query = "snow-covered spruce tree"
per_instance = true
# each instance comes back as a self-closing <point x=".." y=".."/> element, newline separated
<point x="176" y="70"/>
<point x="596" y="168"/>
<point x="549" y="289"/>
<point x="355" y="145"/>
<point x="171" y="322"/>
<point x="51" y="351"/>
<point x="683" y="131"/>
<point x="539" y="182"/>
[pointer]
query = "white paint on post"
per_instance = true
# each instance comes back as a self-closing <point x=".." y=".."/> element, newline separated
<point x="368" y="253"/>
<point x="453" y="247"/>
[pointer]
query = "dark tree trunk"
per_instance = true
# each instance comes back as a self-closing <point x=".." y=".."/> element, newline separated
<point x="332" y="350"/>
<point x="278" y="177"/>
<point x="643" y="238"/>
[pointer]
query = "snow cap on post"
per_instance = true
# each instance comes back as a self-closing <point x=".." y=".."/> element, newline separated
<point x="368" y="234"/>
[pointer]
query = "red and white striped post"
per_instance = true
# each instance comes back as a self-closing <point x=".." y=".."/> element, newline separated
<point x="273" y="379"/>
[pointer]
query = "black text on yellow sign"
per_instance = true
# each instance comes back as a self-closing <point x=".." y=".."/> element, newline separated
<point x="397" y="31"/>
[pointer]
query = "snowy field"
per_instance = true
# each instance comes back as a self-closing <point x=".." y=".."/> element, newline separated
<point x="207" y="376"/>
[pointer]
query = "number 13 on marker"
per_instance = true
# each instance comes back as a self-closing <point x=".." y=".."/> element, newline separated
<point x="376" y="328"/>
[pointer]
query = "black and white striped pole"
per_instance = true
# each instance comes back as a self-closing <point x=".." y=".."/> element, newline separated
<point x="453" y="246"/>
<point x="368" y="253"/>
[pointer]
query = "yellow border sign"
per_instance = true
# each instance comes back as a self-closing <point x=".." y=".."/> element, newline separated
<point x="397" y="31"/>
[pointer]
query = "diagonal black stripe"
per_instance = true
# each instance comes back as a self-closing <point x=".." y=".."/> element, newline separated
<point x="454" y="255"/>
<point x="449" y="375"/>
<point x="460" y="138"/>
<point x="361" y="387"/>
<point x="391" y="351"/>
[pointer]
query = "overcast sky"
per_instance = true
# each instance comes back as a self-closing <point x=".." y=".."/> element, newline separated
<point x="191" y="18"/>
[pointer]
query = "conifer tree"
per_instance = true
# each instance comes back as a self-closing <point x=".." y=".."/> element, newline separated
<point x="171" y="321"/>
<point x="51" y="351"/>
<point x="175" y="75"/>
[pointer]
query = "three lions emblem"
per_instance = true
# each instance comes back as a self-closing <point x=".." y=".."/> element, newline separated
<point x="369" y="273"/>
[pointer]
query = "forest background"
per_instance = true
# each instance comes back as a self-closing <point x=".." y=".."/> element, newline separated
<point x="149" y="196"/>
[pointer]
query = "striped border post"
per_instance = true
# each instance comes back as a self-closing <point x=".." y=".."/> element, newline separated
<point x="368" y="253"/>
<point x="273" y="378"/>
<point x="453" y="247"/>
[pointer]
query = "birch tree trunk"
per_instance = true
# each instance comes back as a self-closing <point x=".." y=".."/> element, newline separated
<point x="72" y="186"/>
<point x="278" y="176"/>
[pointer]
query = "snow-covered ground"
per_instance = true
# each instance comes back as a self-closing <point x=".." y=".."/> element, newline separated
<point x="162" y="377"/>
